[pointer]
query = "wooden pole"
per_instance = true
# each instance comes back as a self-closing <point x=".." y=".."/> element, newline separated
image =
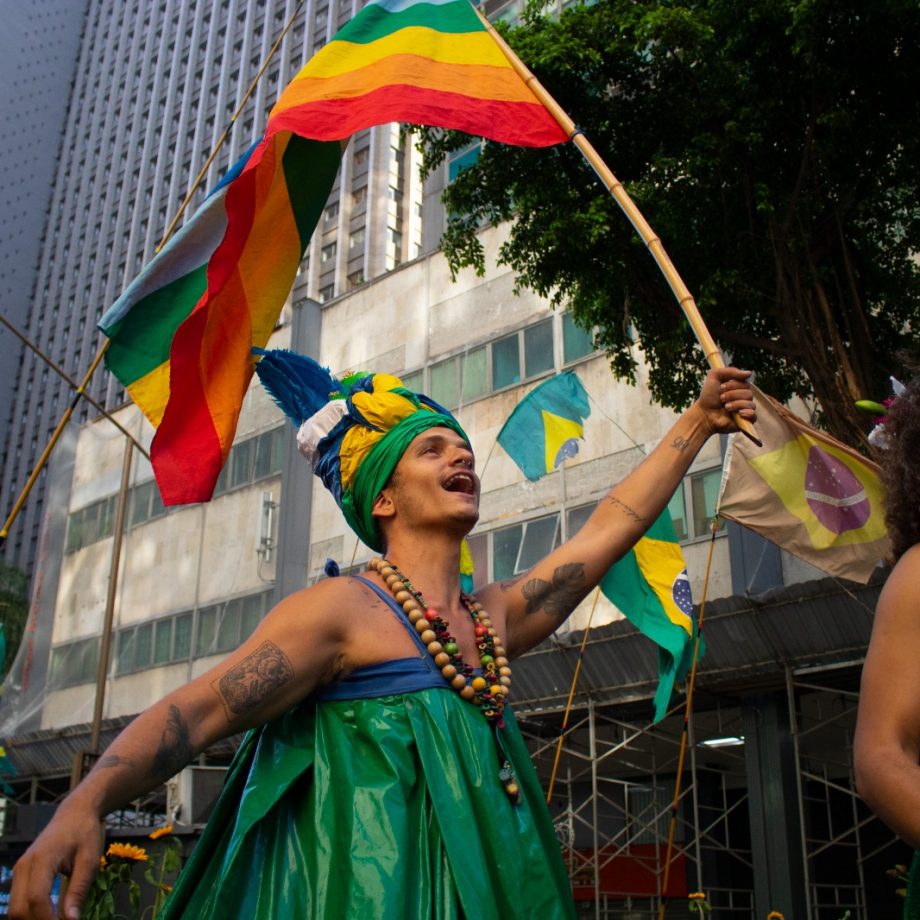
<point x="628" y="206"/>
<point x="102" y="670"/>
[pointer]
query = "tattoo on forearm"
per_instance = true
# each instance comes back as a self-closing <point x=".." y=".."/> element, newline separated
<point x="113" y="760"/>
<point x="625" y="509"/>
<point x="680" y="444"/>
<point x="250" y="682"/>
<point x="175" y="749"/>
<point x="558" y="597"/>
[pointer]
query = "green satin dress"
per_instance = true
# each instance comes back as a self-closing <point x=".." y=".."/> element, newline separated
<point x="377" y="798"/>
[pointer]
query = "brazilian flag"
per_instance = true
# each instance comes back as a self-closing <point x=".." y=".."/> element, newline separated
<point x="650" y="587"/>
<point x="546" y="426"/>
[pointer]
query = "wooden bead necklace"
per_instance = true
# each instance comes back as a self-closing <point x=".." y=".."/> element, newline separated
<point x="487" y="690"/>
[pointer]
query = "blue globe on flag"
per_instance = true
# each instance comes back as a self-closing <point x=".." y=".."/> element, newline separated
<point x="680" y="592"/>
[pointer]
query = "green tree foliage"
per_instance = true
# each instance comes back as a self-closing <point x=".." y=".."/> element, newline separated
<point x="773" y="146"/>
<point x="14" y="609"/>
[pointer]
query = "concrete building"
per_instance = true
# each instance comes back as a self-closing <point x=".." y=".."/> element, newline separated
<point x="135" y="97"/>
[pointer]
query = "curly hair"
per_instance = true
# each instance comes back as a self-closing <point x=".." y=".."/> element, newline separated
<point x="901" y="470"/>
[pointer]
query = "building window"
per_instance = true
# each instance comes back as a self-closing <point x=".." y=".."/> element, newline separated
<point x="460" y="379"/>
<point x="362" y="156"/>
<point x="327" y="253"/>
<point x="693" y="505"/>
<point x="90" y="524"/>
<point x="251" y="460"/>
<point x="326" y="293"/>
<point x="518" y="548"/>
<point x="576" y="343"/>
<point x="356" y="239"/>
<point x="74" y="663"/>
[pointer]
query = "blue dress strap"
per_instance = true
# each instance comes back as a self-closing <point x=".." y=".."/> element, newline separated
<point x="387" y="678"/>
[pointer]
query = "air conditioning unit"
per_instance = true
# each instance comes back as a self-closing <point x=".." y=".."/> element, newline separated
<point x="192" y="793"/>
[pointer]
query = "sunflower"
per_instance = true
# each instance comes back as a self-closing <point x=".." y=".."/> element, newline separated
<point x="127" y="851"/>
<point x="161" y="832"/>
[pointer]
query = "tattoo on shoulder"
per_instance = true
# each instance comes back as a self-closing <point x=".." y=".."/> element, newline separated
<point x="175" y="749"/>
<point x="251" y="681"/>
<point x="507" y="584"/>
<point x="625" y="509"/>
<point x="680" y="444"/>
<point x="560" y="596"/>
<point x="113" y="760"/>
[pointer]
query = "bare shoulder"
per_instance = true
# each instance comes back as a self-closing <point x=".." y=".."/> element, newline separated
<point x="898" y="601"/>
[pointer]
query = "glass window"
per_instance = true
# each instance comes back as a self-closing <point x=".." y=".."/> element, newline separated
<point x="443" y="384"/>
<point x="540" y="538"/>
<point x="538" y="348"/>
<point x="414" y="381"/>
<point x="575" y="519"/>
<point x="519" y="547"/>
<point x="162" y="641"/>
<point x="678" y="511"/>
<point x="327" y="253"/>
<point x="704" y="490"/>
<point x="505" y="545"/>
<point x="140" y="503"/>
<point x="207" y="631"/>
<point x="576" y="343"/>
<point x="143" y="646"/>
<point x="228" y="627"/>
<point x="124" y="657"/>
<point x="506" y="363"/>
<point x="268" y="453"/>
<point x="182" y="637"/>
<point x="241" y="463"/>
<point x="253" y="608"/>
<point x="475" y="379"/>
<point x="460" y="160"/>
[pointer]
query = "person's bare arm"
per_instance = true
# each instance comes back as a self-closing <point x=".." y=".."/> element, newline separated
<point x="536" y="603"/>
<point x="297" y="646"/>
<point x="887" y="742"/>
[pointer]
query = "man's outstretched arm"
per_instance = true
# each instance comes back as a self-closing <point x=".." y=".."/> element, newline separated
<point x="536" y="603"/>
<point x="296" y="647"/>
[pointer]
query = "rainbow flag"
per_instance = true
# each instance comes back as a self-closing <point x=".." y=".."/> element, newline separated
<point x="181" y="335"/>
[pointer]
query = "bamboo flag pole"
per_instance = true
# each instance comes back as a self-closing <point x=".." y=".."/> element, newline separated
<point x="80" y="390"/>
<point x="628" y="206"/>
<point x="688" y="712"/>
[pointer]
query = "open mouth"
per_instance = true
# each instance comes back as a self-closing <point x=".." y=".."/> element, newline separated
<point x="461" y="482"/>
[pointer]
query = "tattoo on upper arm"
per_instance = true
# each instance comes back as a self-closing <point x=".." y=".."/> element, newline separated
<point x="680" y="444"/>
<point x="560" y="596"/>
<point x="175" y="749"/>
<point x="625" y="509"/>
<point x="248" y="683"/>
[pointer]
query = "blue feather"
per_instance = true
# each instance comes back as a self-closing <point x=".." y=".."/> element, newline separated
<point x="299" y="385"/>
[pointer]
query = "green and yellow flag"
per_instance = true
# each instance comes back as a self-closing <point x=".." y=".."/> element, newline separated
<point x="649" y="585"/>
<point x="545" y="428"/>
<point x="808" y="493"/>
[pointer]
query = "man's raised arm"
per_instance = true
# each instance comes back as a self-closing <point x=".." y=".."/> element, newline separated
<point x="537" y="602"/>
<point x="296" y="646"/>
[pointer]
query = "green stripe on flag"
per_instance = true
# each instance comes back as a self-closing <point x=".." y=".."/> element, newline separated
<point x="376" y="22"/>
<point x="309" y="168"/>
<point x="140" y="341"/>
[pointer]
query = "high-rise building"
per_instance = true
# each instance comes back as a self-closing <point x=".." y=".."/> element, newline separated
<point x="156" y="85"/>
<point x="39" y="44"/>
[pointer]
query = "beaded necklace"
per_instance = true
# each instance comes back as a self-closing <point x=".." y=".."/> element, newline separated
<point x="488" y="690"/>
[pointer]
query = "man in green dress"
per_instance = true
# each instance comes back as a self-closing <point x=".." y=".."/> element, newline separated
<point x="385" y="777"/>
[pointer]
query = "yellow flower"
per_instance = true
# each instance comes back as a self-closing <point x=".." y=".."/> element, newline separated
<point x="697" y="895"/>
<point x="775" y="915"/>
<point x="161" y="832"/>
<point x="102" y="863"/>
<point x="127" y="851"/>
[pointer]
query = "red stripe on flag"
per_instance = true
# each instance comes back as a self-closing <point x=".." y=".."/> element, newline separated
<point x="521" y="123"/>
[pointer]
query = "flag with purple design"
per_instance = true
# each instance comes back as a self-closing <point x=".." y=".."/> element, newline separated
<point x="808" y="493"/>
<point x="650" y="587"/>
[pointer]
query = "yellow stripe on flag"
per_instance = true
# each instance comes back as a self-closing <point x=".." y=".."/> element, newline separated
<point x="151" y="393"/>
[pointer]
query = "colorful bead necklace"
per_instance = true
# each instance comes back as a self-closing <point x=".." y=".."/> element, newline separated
<point x="488" y="690"/>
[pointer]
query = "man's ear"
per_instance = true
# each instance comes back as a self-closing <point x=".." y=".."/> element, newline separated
<point x="384" y="506"/>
